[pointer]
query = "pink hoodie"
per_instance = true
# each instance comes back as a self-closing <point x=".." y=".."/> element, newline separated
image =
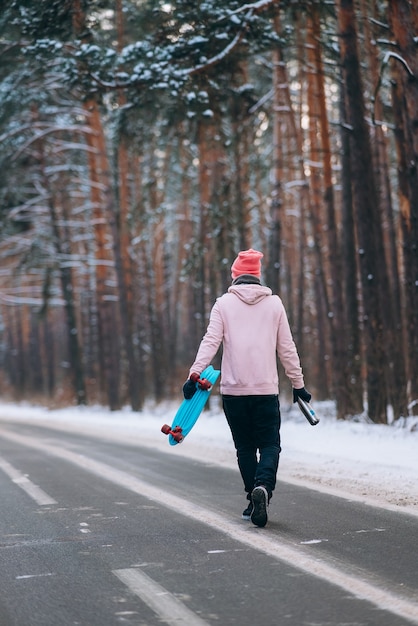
<point x="254" y="329"/>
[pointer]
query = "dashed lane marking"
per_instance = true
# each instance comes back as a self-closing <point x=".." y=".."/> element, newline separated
<point x="164" y="604"/>
<point x="22" y="481"/>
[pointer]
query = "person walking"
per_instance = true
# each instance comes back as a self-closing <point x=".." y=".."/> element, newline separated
<point x="252" y="325"/>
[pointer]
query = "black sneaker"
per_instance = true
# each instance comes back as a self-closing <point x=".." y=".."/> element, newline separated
<point x="246" y="514"/>
<point x="260" y="500"/>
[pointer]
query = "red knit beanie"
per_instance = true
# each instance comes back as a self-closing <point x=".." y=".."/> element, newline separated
<point x="247" y="262"/>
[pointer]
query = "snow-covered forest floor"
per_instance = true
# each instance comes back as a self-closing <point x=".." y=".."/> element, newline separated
<point x="372" y="463"/>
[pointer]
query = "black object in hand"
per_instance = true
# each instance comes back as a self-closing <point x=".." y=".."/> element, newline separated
<point x="301" y="393"/>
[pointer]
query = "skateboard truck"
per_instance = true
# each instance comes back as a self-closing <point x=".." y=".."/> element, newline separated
<point x="202" y="383"/>
<point x="176" y="433"/>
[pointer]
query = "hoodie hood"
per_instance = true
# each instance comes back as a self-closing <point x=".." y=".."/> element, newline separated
<point x="250" y="294"/>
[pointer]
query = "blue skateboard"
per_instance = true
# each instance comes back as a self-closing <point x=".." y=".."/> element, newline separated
<point x="189" y="411"/>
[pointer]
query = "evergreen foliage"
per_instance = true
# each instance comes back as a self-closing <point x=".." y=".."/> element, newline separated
<point x="145" y="142"/>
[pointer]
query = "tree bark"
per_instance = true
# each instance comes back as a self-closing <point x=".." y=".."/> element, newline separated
<point x="276" y="208"/>
<point x="336" y="315"/>
<point x="122" y="247"/>
<point x="354" y="354"/>
<point x="403" y="16"/>
<point x="366" y="215"/>
<point x="102" y="200"/>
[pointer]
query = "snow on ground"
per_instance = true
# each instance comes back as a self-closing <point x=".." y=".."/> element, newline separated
<point x="353" y="459"/>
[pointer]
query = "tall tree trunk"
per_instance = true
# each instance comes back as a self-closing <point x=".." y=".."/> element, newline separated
<point x="336" y="312"/>
<point x="211" y="165"/>
<point x="15" y="365"/>
<point x="350" y="274"/>
<point x="392" y="311"/>
<point x="301" y="228"/>
<point x="122" y="247"/>
<point x="181" y="344"/>
<point x="103" y="208"/>
<point x="62" y="247"/>
<point x="367" y="217"/>
<point x="275" y="230"/>
<point x="160" y="303"/>
<point x="403" y="16"/>
<point x="316" y="210"/>
<point x="103" y="213"/>
<point x="68" y="290"/>
<point x="241" y="183"/>
<point x="49" y="355"/>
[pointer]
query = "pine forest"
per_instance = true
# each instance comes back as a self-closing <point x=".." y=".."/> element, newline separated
<point x="144" y="143"/>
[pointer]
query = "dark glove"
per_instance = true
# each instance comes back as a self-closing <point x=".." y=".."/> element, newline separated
<point x="302" y="394"/>
<point x="194" y="382"/>
<point x="189" y="389"/>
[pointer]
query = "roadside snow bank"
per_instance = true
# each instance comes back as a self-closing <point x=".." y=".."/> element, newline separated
<point x="373" y="463"/>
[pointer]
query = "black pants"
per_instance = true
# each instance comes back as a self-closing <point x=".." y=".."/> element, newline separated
<point x="255" y="426"/>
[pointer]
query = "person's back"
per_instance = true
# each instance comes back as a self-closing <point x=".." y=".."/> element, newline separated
<point x="253" y="328"/>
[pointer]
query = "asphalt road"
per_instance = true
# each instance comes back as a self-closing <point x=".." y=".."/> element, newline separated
<point x="98" y="534"/>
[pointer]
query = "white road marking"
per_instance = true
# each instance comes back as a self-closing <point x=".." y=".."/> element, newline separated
<point x="159" y="600"/>
<point x="218" y="551"/>
<point x="354" y="583"/>
<point x="32" y="576"/>
<point x="22" y="481"/>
